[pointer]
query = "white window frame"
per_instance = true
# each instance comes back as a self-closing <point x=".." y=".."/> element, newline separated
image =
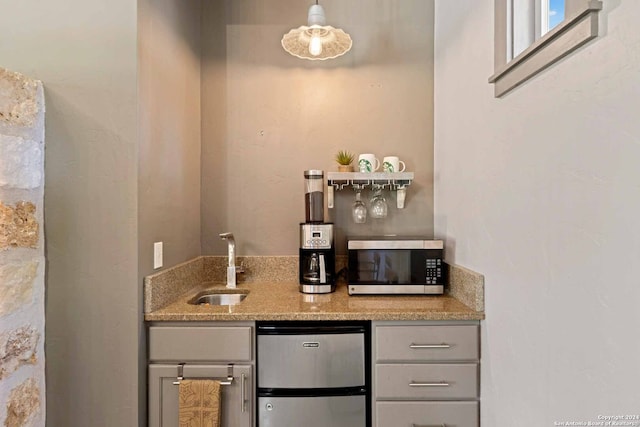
<point x="542" y="18"/>
<point x="579" y="26"/>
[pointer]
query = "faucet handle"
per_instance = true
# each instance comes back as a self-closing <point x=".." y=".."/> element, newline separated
<point x="240" y="268"/>
<point x="226" y="235"/>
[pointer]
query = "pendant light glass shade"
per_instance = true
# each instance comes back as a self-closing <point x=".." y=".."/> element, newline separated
<point x="316" y="41"/>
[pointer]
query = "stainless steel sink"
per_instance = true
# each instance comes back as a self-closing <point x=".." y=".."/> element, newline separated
<point x="220" y="297"/>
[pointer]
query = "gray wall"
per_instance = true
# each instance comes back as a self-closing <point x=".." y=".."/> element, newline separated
<point x="539" y="192"/>
<point x="282" y="115"/>
<point x="169" y="141"/>
<point x="169" y="133"/>
<point x="214" y="125"/>
<point x="85" y="54"/>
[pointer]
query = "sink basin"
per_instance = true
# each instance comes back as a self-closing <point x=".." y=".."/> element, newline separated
<point x="221" y="297"/>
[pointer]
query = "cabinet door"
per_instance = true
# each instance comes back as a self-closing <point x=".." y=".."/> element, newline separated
<point x="237" y="398"/>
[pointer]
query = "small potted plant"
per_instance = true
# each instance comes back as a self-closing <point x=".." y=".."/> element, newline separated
<point x="344" y="159"/>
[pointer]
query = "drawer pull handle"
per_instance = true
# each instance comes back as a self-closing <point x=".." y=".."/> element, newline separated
<point x="438" y="384"/>
<point x="443" y="345"/>
<point x="429" y="425"/>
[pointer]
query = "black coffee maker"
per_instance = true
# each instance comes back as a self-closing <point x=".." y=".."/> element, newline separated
<point x="317" y="252"/>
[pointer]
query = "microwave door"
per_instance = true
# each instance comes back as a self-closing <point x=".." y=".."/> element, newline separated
<point x="383" y="267"/>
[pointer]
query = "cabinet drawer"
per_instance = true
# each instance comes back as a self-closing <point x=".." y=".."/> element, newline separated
<point x="426" y="343"/>
<point x="427" y="381"/>
<point x="427" y="414"/>
<point x="191" y="344"/>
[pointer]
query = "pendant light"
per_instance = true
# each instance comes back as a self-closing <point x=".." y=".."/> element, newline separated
<point x="317" y="41"/>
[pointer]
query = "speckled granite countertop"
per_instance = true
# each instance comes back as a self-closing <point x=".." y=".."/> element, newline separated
<point x="167" y="296"/>
<point x="282" y="301"/>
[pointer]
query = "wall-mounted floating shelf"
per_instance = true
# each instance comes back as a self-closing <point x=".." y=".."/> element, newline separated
<point x="397" y="181"/>
<point x="393" y="181"/>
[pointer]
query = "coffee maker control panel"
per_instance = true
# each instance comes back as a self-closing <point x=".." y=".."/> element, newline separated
<point x="316" y="236"/>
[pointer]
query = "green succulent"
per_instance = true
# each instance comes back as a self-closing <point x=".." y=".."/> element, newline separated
<point x="344" y="157"/>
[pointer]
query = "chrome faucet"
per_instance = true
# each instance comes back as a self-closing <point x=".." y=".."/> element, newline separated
<point x="231" y="269"/>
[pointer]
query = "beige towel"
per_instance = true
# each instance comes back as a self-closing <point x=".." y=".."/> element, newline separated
<point x="199" y="403"/>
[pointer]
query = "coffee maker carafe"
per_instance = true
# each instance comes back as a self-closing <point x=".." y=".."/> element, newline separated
<point x="317" y="258"/>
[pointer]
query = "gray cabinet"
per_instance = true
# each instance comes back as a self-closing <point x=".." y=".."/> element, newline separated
<point x="206" y="350"/>
<point x="163" y="393"/>
<point x="426" y="374"/>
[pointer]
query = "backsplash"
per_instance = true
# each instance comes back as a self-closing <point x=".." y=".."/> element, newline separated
<point x="467" y="286"/>
<point x="256" y="269"/>
<point x="165" y="286"/>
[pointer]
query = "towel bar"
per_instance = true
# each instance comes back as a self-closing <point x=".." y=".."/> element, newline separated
<point x="223" y="381"/>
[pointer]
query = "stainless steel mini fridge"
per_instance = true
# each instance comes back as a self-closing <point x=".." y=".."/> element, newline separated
<point x="313" y="374"/>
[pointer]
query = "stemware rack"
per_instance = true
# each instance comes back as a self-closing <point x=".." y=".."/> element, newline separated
<point x="396" y="181"/>
<point x="393" y="181"/>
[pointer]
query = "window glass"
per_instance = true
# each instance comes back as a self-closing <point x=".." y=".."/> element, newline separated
<point x="555" y="13"/>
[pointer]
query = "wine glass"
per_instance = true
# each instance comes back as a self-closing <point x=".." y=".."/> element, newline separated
<point x="359" y="210"/>
<point x="378" y="204"/>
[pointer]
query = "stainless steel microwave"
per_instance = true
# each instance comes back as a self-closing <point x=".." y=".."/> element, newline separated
<point x="395" y="265"/>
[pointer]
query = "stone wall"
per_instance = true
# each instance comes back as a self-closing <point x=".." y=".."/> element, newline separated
<point x="22" y="262"/>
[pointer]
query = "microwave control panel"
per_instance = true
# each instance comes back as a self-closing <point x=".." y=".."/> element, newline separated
<point x="434" y="274"/>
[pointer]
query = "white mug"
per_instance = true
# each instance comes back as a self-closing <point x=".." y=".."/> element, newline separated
<point x="392" y="164"/>
<point x="368" y="163"/>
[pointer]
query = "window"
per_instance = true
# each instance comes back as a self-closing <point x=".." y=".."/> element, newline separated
<point x="530" y="35"/>
<point x="532" y="19"/>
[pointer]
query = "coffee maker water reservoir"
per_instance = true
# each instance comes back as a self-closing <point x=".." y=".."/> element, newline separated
<point x="314" y="196"/>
